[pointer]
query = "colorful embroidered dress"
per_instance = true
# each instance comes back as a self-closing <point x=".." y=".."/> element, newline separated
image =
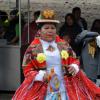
<point x="77" y="87"/>
<point x="56" y="89"/>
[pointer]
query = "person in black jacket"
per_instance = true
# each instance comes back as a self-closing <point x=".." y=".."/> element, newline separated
<point x="3" y="23"/>
<point x="12" y="34"/>
<point x="79" y="20"/>
<point x="69" y="30"/>
<point x="96" y="26"/>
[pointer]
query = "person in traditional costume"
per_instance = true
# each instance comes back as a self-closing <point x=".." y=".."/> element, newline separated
<point x="51" y="68"/>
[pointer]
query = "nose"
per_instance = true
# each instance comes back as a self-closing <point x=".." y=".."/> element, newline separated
<point x="50" y="31"/>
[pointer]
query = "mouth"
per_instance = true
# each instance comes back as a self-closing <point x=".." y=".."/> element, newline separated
<point x="50" y="34"/>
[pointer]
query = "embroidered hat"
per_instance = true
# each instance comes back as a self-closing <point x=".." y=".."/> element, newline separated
<point x="47" y="16"/>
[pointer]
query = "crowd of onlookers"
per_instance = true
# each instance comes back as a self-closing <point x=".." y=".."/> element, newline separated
<point x="9" y="26"/>
<point x="73" y="25"/>
<point x="72" y="31"/>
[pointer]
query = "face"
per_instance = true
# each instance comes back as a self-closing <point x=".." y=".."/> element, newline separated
<point x="48" y="32"/>
<point x="67" y="39"/>
<point x="97" y="25"/>
<point x="77" y="14"/>
<point x="35" y="17"/>
<point x="11" y="17"/>
<point x="69" y="21"/>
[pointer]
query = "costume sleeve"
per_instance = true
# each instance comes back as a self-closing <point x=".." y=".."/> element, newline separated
<point x="29" y="63"/>
<point x="72" y="59"/>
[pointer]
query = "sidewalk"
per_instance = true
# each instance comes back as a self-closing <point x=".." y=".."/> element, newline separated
<point x="6" y="95"/>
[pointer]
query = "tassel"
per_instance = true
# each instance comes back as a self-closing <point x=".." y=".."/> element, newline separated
<point x="92" y="48"/>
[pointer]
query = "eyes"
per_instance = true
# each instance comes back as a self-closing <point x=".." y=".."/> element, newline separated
<point x="49" y="27"/>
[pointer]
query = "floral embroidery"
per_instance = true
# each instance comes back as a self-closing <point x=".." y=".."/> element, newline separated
<point x="64" y="54"/>
<point x="41" y="57"/>
<point x="48" y="13"/>
<point x="27" y="59"/>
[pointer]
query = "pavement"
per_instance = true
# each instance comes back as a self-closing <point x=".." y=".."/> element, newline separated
<point x="6" y="95"/>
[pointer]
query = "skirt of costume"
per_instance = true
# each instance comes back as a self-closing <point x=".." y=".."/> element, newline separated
<point x="78" y="87"/>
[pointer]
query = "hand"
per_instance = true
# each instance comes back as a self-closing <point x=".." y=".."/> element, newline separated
<point x="40" y="75"/>
<point x="73" y="69"/>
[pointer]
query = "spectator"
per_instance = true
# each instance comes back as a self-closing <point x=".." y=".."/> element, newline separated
<point x="90" y="54"/>
<point x="70" y="30"/>
<point x="96" y="26"/>
<point x="32" y="29"/>
<point x="3" y="23"/>
<point x="79" y="20"/>
<point x="12" y="34"/>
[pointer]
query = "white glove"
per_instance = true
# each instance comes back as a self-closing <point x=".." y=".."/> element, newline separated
<point x="40" y="75"/>
<point x="98" y="41"/>
<point x="75" y="66"/>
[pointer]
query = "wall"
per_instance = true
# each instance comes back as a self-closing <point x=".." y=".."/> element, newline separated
<point x="90" y="8"/>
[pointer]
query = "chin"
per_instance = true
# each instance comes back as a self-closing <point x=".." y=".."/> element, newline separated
<point x="50" y="40"/>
